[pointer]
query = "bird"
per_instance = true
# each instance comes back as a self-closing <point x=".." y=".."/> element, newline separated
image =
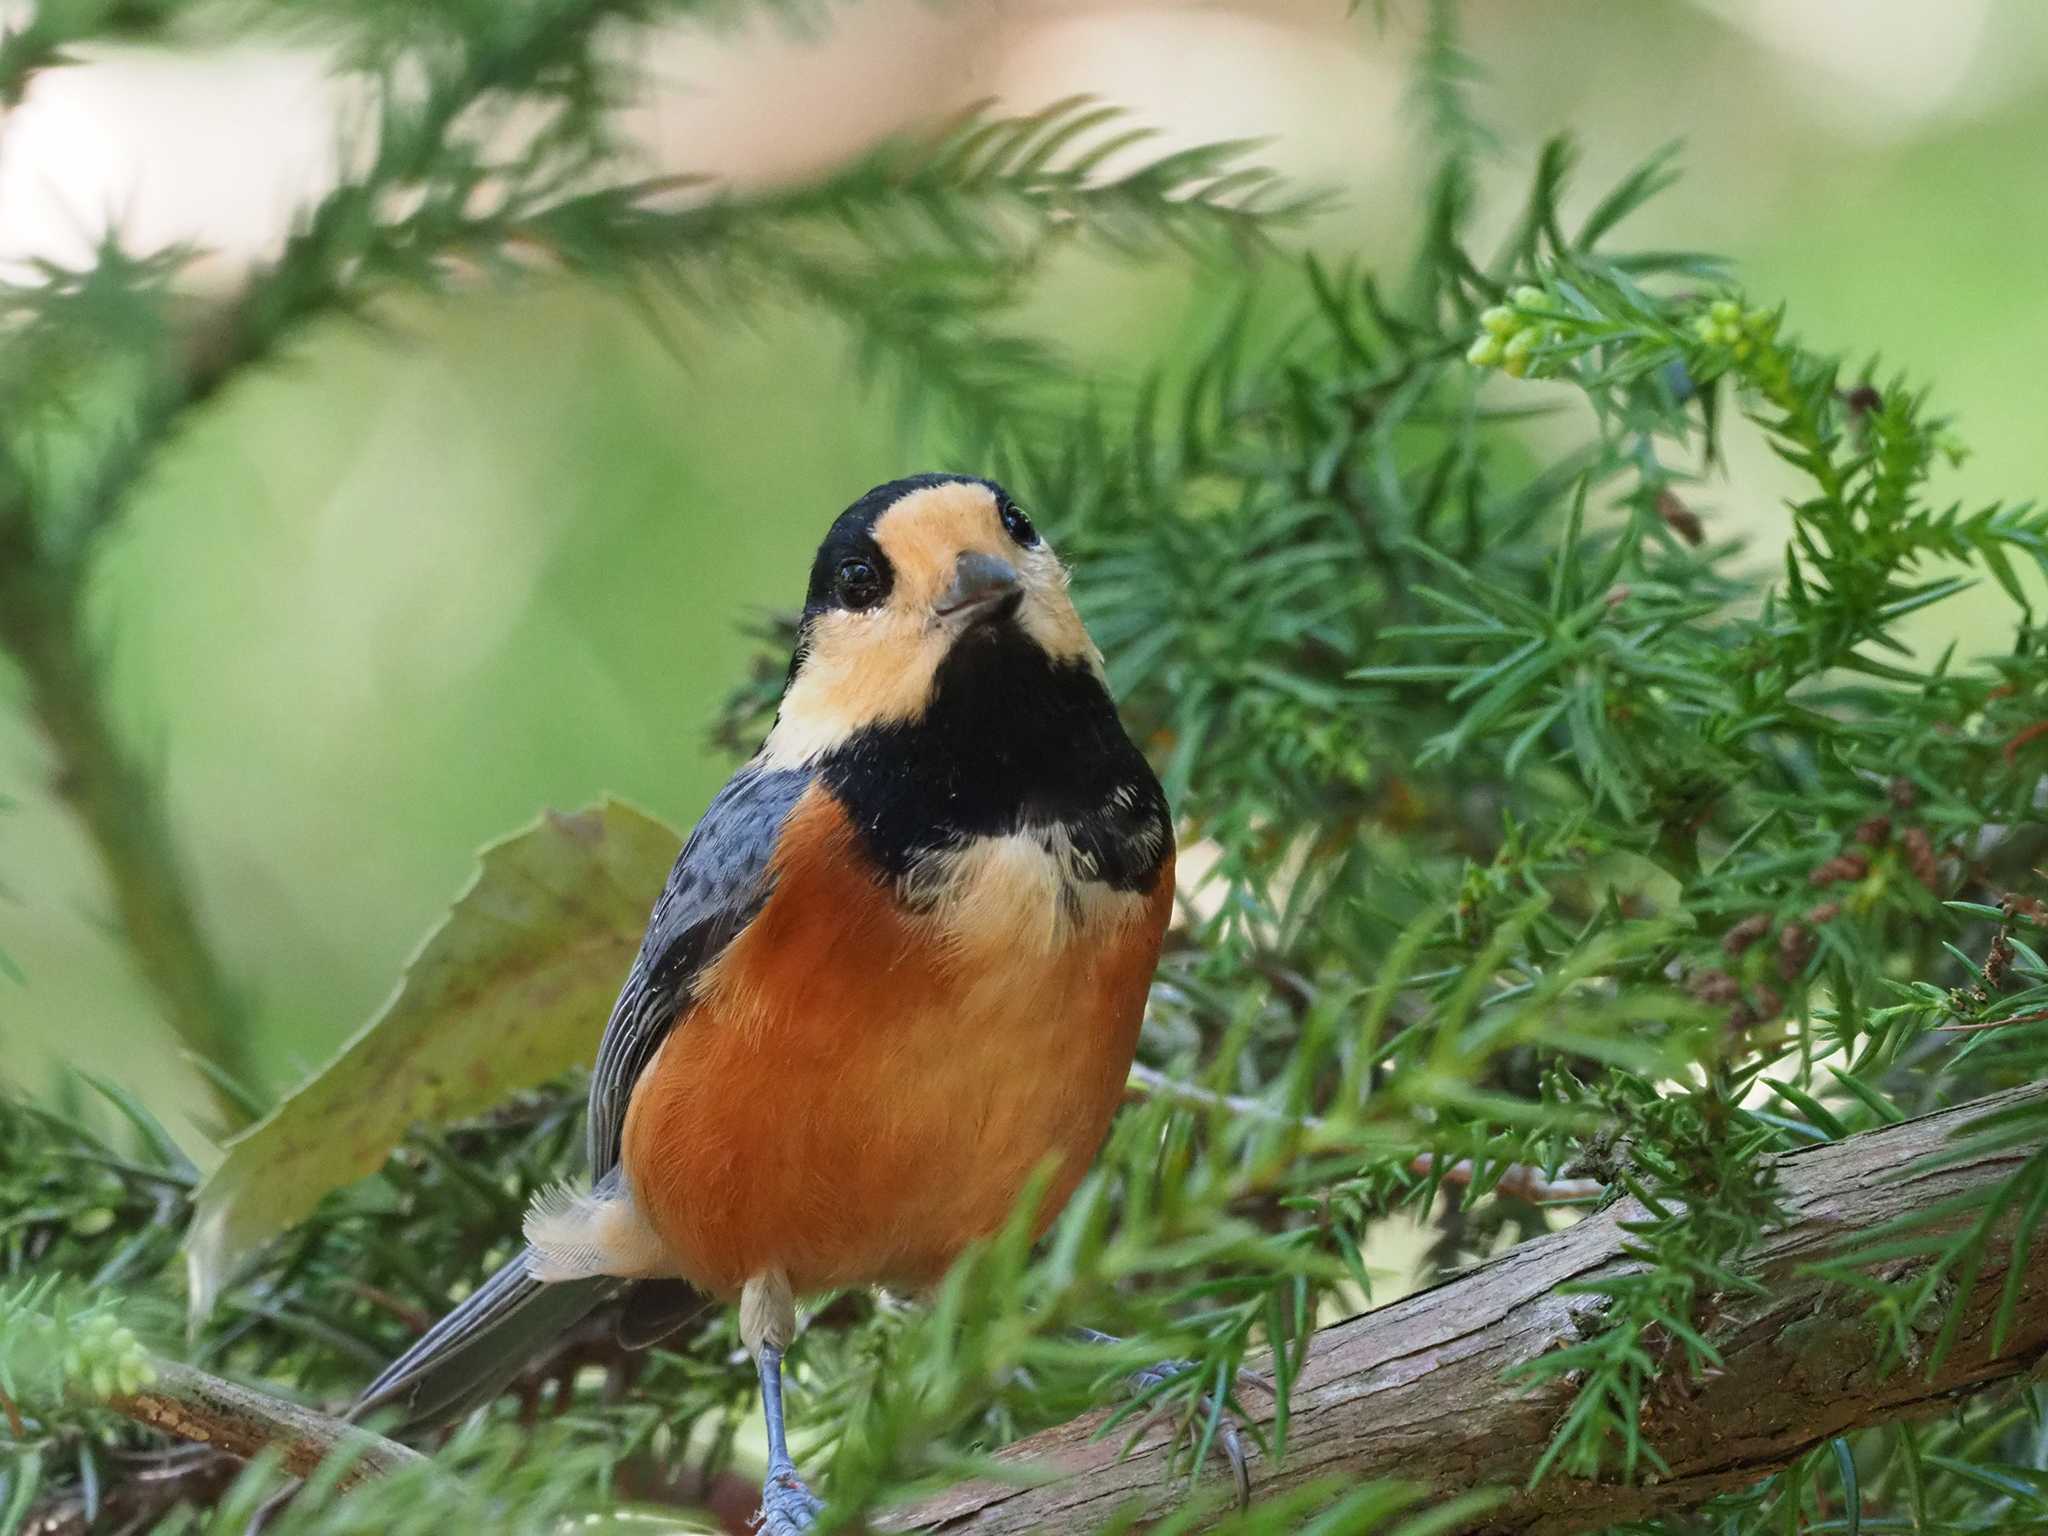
<point x="897" y="970"/>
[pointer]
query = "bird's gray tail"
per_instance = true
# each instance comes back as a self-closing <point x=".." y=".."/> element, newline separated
<point x="468" y="1357"/>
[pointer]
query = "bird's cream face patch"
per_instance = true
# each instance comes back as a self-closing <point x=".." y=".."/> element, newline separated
<point x="878" y="666"/>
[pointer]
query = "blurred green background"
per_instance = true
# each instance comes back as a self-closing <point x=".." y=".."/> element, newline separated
<point x="392" y="597"/>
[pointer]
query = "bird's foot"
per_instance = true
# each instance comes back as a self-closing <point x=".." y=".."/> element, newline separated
<point x="788" y="1508"/>
<point x="1193" y="1418"/>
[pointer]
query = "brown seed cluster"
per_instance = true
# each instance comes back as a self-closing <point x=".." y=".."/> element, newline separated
<point x="1918" y="849"/>
<point x="1714" y="986"/>
<point x="1843" y="868"/>
<point x="1745" y="933"/>
<point x="1680" y="518"/>
<point x="1997" y="964"/>
<point x="1796" y="944"/>
<point x="1756" y="1000"/>
<point x="1914" y="847"/>
<point x="1758" y="1003"/>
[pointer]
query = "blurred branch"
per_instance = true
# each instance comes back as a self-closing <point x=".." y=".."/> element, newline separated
<point x="115" y="800"/>
<point x="1413" y="1390"/>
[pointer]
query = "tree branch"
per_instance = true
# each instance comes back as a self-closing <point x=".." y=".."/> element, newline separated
<point x="195" y="1405"/>
<point x="1414" y="1390"/>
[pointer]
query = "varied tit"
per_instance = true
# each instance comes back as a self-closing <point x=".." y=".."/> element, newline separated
<point x="898" y="968"/>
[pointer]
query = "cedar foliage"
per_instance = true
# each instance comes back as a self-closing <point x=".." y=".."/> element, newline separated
<point x="1543" y="828"/>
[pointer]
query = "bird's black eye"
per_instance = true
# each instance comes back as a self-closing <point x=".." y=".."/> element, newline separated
<point x="857" y="584"/>
<point x="1017" y="525"/>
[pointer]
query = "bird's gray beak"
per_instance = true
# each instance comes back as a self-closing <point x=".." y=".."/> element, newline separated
<point x="979" y="582"/>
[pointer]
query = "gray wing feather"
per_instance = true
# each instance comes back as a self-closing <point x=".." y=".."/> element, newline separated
<point x="470" y="1356"/>
<point x="719" y="882"/>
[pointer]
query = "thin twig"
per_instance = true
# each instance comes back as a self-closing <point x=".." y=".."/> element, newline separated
<point x="1983" y="1024"/>
<point x="1149" y="1083"/>
<point x="145" y="1493"/>
<point x="1520" y="1181"/>
<point x="418" y="1319"/>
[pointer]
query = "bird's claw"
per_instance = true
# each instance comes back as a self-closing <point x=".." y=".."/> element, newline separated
<point x="1229" y="1434"/>
<point x="788" y="1508"/>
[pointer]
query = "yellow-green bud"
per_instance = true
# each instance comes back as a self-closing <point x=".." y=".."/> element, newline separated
<point x="1484" y="352"/>
<point x="104" y="1357"/>
<point x="1726" y="311"/>
<point x="1743" y="348"/>
<point x="1500" y="320"/>
<point x="1706" y="329"/>
<point x="1526" y="297"/>
<point x="1728" y="333"/>
<point x="1520" y="345"/>
<point x="1515" y="367"/>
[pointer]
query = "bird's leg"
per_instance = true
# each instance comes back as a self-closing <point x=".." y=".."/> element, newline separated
<point x="767" y="1324"/>
<point x="788" y="1508"/>
<point x="1229" y="1437"/>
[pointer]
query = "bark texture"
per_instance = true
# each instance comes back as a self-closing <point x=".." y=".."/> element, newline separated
<point x="1414" y="1390"/>
<point x="197" y="1406"/>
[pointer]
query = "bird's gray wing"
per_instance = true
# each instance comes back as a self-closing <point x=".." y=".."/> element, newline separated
<point x="719" y="882"/>
<point x="717" y="885"/>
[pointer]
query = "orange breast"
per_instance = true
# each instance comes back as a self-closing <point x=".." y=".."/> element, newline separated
<point x="859" y="1091"/>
